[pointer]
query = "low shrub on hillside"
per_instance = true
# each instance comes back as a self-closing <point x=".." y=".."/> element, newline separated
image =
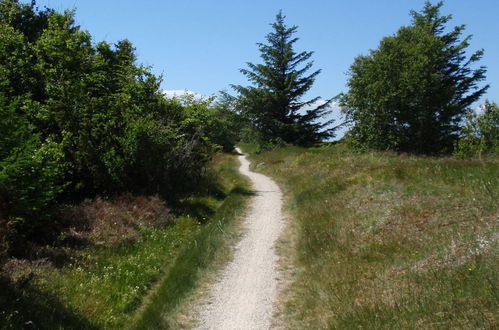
<point x="97" y="222"/>
<point x="481" y="133"/>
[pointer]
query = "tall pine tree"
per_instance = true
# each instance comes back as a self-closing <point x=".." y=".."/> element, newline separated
<point x="273" y="102"/>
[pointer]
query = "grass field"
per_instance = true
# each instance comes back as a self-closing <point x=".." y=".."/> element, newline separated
<point x="130" y="285"/>
<point x="389" y="241"/>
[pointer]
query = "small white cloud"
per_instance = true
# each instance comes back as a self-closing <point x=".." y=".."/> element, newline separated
<point x="479" y="109"/>
<point x="180" y="93"/>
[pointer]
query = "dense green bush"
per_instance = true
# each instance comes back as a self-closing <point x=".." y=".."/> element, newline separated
<point x="81" y="119"/>
<point x="225" y="124"/>
<point x="481" y="133"/>
<point x="412" y="93"/>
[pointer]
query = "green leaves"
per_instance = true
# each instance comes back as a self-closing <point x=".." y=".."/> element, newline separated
<point x="80" y="120"/>
<point x="412" y="92"/>
<point x="31" y="179"/>
<point x="481" y="133"/>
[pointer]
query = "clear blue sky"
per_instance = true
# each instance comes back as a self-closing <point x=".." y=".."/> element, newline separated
<point x="200" y="45"/>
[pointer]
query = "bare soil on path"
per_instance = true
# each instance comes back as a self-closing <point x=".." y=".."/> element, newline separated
<point x="245" y="294"/>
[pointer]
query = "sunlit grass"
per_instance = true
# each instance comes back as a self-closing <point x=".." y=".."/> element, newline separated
<point x="389" y="241"/>
<point x="109" y="284"/>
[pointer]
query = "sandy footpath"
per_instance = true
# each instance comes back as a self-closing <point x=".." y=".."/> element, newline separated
<point x="244" y="296"/>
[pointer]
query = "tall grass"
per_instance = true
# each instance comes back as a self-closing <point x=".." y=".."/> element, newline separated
<point x="388" y="241"/>
<point x="103" y="286"/>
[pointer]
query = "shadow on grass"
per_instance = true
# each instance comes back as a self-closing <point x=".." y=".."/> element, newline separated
<point x="24" y="307"/>
<point x="195" y="258"/>
<point x="195" y="209"/>
<point x="198" y="209"/>
<point x="242" y="191"/>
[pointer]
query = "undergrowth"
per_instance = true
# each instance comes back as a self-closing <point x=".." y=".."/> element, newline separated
<point x="389" y="241"/>
<point x="113" y="253"/>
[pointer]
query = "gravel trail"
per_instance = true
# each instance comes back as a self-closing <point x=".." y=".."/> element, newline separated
<point x="244" y="296"/>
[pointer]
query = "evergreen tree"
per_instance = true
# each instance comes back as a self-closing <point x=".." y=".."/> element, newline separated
<point x="412" y="93"/>
<point x="273" y="103"/>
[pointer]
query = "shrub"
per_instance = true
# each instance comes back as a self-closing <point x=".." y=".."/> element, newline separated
<point x="481" y="133"/>
<point x="31" y="180"/>
<point x="80" y="120"/>
<point x="114" y="222"/>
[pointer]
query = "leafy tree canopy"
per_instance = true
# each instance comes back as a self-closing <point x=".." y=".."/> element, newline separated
<point x="412" y="92"/>
<point x="80" y="119"/>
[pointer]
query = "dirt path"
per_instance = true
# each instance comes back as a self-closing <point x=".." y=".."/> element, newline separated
<point x="244" y="296"/>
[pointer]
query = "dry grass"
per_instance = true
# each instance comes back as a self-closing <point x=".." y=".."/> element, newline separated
<point x="389" y="241"/>
<point x="116" y="221"/>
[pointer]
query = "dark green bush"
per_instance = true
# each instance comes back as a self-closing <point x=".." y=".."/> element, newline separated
<point x="81" y="120"/>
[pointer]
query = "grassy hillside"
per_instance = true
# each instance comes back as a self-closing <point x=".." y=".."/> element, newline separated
<point x="389" y="241"/>
<point x="93" y="285"/>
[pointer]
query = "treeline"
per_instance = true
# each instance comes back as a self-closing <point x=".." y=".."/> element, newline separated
<point x="80" y="119"/>
<point x="412" y="94"/>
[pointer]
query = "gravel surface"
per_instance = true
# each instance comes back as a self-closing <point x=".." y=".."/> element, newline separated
<point x="244" y="296"/>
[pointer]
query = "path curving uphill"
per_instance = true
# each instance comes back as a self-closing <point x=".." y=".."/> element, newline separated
<point x="244" y="296"/>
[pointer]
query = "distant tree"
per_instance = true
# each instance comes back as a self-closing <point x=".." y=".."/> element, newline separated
<point x="273" y="103"/>
<point x="225" y="124"/>
<point x="412" y="93"/>
<point x="481" y="133"/>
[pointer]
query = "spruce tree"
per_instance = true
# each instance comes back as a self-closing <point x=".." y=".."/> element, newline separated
<point x="273" y="102"/>
<point x="413" y="92"/>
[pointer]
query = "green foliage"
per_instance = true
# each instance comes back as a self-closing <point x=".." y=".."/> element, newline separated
<point x="24" y="18"/>
<point x="481" y="133"/>
<point x="31" y="175"/>
<point x="273" y="104"/>
<point x="80" y="119"/>
<point x="412" y="92"/>
<point x="31" y="180"/>
<point x="226" y="123"/>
